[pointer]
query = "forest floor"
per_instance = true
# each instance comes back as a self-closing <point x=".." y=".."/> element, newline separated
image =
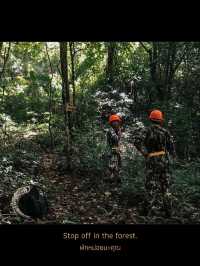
<point x="85" y="199"/>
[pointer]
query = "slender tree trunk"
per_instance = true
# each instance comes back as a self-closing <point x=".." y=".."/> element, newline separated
<point x="153" y="62"/>
<point x="50" y="100"/>
<point x="1" y="46"/>
<point x="72" y="55"/>
<point x="65" y="96"/>
<point x="171" y="70"/>
<point x="5" y="59"/>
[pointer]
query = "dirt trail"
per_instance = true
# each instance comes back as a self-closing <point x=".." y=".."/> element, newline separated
<point x="80" y="199"/>
<point x="85" y="199"/>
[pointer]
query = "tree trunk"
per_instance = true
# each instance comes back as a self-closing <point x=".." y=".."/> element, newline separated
<point x="171" y="72"/>
<point x="65" y="97"/>
<point x="111" y="62"/>
<point x="72" y="55"/>
<point x="5" y="58"/>
<point x="1" y="46"/>
<point x="50" y="100"/>
<point x="155" y="70"/>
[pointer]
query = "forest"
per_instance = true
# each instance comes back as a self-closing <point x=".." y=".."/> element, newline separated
<point x="55" y="100"/>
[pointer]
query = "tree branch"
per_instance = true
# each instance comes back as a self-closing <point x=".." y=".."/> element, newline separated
<point x="145" y="48"/>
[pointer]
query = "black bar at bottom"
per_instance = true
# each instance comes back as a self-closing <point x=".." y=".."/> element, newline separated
<point x="114" y="240"/>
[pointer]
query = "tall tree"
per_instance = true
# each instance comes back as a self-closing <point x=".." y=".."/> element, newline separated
<point x="72" y="56"/>
<point x="111" y="67"/>
<point x="65" y="96"/>
<point x="5" y="57"/>
<point x="50" y="98"/>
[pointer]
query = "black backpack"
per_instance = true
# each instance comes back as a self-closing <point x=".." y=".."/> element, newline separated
<point x="34" y="203"/>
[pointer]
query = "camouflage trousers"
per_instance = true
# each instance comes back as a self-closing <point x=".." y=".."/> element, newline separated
<point x="112" y="153"/>
<point x="157" y="185"/>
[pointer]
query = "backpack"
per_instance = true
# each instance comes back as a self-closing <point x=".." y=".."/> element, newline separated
<point x="32" y="204"/>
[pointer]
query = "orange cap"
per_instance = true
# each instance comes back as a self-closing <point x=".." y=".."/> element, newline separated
<point x="114" y="118"/>
<point x="156" y="115"/>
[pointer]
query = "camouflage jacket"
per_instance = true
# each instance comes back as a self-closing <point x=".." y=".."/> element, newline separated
<point x="113" y="137"/>
<point x="154" y="138"/>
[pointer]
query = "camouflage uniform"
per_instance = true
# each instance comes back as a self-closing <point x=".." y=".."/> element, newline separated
<point x="153" y="139"/>
<point x="113" y="139"/>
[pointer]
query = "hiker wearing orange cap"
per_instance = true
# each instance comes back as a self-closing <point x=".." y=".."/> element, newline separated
<point x="156" y="144"/>
<point x="114" y="135"/>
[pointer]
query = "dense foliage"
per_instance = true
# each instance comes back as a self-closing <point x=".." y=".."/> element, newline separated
<point x="39" y="80"/>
